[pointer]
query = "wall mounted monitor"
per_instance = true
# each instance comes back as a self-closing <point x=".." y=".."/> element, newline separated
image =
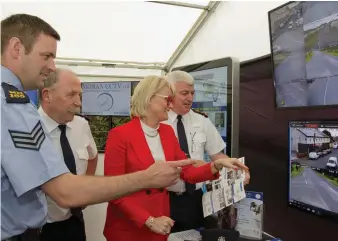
<point x="217" y="94"/>
<point x="106" y="98"/>
<point x="313" y="167"/>
<point x="304" y="48"/>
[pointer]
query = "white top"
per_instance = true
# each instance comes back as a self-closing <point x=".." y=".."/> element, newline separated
<point x="202" y="136"/>
<point x="155" y="146"/>
<point x="154" y="142"/>
<point x="83" y="146"/>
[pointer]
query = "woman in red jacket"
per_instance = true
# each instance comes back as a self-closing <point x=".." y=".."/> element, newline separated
<point x="135" y="146"/>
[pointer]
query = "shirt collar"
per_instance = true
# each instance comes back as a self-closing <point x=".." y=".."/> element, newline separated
<point x="50" y="124"/>
<point x="172" y="116"/>
<point x="9" y="77"/>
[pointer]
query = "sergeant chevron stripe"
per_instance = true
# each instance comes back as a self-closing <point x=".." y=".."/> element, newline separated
<point x="29" y="140"/>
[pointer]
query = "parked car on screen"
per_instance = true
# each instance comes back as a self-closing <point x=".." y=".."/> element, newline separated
<point x="313" y="156"/>
<point x="332" y="163"/>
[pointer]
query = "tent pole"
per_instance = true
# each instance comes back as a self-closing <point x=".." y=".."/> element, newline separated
<point x="191" y="34"/>
<point x="109" y="65"/>
<point x="181" y="4"/>
<point x="109" y="61"/>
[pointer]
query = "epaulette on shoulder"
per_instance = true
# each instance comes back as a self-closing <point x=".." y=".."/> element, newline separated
<point x="200" y="112"/>
<point x="83" y="116"/>
<point x="14" y="95"/>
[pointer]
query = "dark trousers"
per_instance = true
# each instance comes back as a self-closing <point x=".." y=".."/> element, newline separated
<point x="186" y="210"/>
<point x="29" y="235"/>
<point x="72" y="229"/>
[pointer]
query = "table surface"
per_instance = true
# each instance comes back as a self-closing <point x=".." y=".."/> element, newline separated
<point x="265" y="237"/>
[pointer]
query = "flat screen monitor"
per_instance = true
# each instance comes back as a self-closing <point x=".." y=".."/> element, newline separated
<point x="313" y="167"/>
<point x="217" y="94"/>
<point x="106" y="98"/>
<point x="304" y="49"/>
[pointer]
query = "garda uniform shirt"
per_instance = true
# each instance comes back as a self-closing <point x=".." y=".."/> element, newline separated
<point x="202" y="136"/>
<point x="28" y="160"/>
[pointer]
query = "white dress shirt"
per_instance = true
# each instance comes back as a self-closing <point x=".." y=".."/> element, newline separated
<point x="202" y="136"/>
<point x="83" y="146"/>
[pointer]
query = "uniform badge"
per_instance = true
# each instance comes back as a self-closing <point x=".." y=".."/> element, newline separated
<point x="29" y="140"/>
<point x="200" y="112"/>
<point x="13" y="95"/>
<point x="221" y="238"/>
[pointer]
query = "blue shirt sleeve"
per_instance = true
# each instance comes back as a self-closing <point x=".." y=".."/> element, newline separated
<point x="28" y="155"/>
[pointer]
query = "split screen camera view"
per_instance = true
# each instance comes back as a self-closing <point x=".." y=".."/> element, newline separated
<point x="304" y="40"/>
<point x="314" y="166"/>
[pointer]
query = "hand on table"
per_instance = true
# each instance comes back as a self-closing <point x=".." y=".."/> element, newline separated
<point x="160" y="225"/>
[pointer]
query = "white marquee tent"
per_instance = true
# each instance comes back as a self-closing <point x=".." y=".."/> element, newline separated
<point x="114" y="41"/>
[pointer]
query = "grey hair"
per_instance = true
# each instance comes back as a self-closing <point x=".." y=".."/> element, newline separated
<point x="180" y="76"/>
<point x="52" y="79"/>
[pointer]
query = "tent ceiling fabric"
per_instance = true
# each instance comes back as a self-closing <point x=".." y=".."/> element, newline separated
<point x="129" y="31"/>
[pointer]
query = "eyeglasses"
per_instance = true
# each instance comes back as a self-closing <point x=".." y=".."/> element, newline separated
<point x="168" y="98"/>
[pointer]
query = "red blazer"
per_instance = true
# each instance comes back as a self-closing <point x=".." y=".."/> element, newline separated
<point x="127" y="151"/>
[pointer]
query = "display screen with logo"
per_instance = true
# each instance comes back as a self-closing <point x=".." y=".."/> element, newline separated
<point x="313" y="167"/>
<point x="106" y="98"/>
<point x="210" y="96"/>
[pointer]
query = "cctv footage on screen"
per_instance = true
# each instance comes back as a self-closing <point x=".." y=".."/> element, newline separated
<point x="304" y="37"/>
<point x="313" y="167"/>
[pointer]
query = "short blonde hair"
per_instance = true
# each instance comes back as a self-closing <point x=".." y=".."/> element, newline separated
<point x="144" y="91"/>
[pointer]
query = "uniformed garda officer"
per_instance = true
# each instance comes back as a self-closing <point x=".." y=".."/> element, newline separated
<point x="24" y="145"/>
<point x="30" y="164"/>
<point x="197" y="135"/>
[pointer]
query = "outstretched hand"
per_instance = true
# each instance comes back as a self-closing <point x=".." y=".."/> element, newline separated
<point x="163" y="174"/>
<point x="199" y="163"/>
<point x="232" y="163"/>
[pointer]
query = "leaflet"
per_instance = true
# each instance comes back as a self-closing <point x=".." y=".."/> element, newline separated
<point x="225" y="191"/>
<point x="250" y="216"/>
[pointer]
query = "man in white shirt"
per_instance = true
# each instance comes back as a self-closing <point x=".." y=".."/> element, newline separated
<point x="197" y="135"/>
<point x="71" y="135"/>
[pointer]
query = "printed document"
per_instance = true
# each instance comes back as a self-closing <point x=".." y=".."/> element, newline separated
<point x="225" y="191"/>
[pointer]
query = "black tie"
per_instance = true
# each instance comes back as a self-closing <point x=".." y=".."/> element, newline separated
<point x="182" y="138"/>
<point x="69" y="159"/>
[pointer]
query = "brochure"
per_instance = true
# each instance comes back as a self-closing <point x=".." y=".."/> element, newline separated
<point x="250" y="216"/>
<point x="225" y="191"/>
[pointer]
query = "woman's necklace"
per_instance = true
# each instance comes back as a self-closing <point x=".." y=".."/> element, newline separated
<point x="152" y="136"/>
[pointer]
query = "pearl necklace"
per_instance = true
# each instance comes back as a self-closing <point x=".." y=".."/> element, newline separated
<point x="152" y="136"/>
